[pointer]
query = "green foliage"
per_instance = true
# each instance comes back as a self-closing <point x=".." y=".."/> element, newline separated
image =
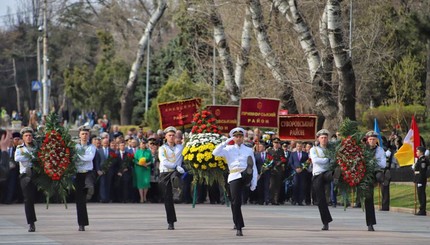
<point x="99" y="88"/>
<point x="404" y="79"/>
<point x="390" y="116"/>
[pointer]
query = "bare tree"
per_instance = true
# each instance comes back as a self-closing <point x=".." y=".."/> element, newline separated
<point x="346" y="89"/>
<point x="270" y="57"/>
<point x="126" y="97"/>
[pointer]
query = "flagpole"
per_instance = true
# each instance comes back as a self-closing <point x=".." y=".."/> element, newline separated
<point x="415" y="195"/>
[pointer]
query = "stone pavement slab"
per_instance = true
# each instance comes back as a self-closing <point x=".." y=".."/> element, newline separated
<point x="208" y="224"/>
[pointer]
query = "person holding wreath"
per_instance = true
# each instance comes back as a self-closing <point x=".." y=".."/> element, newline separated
<point x="23" y="156"/>
<point x="84" y="164"/>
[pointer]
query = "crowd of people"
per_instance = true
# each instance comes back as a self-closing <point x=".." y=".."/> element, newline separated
<point x="138" y="166"/>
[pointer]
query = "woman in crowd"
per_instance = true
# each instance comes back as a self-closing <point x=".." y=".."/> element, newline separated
<point x="143" y="160"/>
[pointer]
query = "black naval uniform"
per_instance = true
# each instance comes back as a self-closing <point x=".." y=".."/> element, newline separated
<point x="421" y="181"/>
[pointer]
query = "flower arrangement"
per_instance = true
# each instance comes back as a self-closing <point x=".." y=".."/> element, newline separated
<point x="350" y="158"/>
<point x="112" y="158"/>
<point x="54" y="155"/>
<point x="267" y="165"/>
<point x="307" y="164"/>
<point x="204" y="122"/>
<point x="198" y="149"/>
<point x="127" y="161"/>
<point x="355" y="159"/>
<point x="54" y="160"/>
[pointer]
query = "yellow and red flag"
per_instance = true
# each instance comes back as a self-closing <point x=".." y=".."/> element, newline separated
<point x="407" y="153"/>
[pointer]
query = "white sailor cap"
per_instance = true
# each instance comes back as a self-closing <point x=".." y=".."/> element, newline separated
<point x="170" y="129"/>
<point x="84" y="128"/>
<point x="237" y="131"/>
<point x="372" y="134"/>
<point x="323" y="132"/>
<point x="26" y="130"/>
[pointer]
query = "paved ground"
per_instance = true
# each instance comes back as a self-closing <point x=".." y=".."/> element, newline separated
<point x="208" y="224"/>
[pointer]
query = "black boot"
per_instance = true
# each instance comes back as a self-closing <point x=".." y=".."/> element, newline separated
<point x="171" y="226"/>
<point x="325" y="227"/>
<point x="239" y="232"/>
<point x="81" y="228"/>
<point x="370" y="228"/>
<point x="31" y="228"/>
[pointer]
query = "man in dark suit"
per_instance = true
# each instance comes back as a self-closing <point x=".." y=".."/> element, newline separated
<point x="262" y="191"/>
<point x="106" y="174"/>
<point x="296" y="161"/>
<point x="124" y="176"/>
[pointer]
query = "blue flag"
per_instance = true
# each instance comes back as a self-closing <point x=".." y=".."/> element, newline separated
<point x="376" y="129"/>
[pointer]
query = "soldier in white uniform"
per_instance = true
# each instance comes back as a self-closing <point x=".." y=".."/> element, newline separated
<point x="241" y="164"/>
<point x="321" y="166"/>
<point x="381" y="161"/>
<point x="84" y="164"/>
<point x="23" y="156"/>
<point x="170" y="157"/>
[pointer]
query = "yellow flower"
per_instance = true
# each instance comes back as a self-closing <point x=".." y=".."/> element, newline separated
<point x="190" y="156"/>
<point x="142" y="161"/>
<point x="204" y="167"/>
<point x="196" y="165"/>
<point x="185" y="151"/>
<point x="200" y="157"/>
<point x="211" y="146"/>
<point x="193" y="149"/>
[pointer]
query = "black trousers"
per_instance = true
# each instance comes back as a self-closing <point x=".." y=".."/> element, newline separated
<point x="165" y="180"/>
<point x="236" y="189"/>
<point x="319" y="184"/>
<point x="422" y="196"/>
<point x="385" y="190"/>
<point x="81" y="199"/>
<point x="29" y="193"/>
<point x="275" y="187"/>
<point x="369" y="207"/>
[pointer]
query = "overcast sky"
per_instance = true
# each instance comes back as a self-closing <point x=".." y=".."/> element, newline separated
<point x="3" y="9"/>
<point x="4" y="4"/>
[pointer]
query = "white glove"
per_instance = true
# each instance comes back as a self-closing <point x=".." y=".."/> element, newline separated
<point x="388" y="153"/>
<point x="229" y="140"/>
<point x="252" y="188"/>
<point x="180" y="169"/>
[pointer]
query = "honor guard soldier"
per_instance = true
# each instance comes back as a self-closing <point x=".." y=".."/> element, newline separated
<point x="381" y="162"/>
<point x="321" y="175"/>
<point x="170" y="157"/>
<point x="23" y="156"/>
<point x="277" y="172"/>
<point x="243" y="172"/>
<point x="84" y="164"/>
<point x="420" y="168"/>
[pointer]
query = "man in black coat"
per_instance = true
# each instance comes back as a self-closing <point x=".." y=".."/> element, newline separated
<point x="421" y="178"/>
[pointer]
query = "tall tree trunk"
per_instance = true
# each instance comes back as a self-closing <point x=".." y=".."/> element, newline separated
<point x="223" y="49"/>
<point x="126" y="99"/>
<point x="243" y="56"/>
<point x="293" y="15"/>
<point x="272" y="61"/>
<point x="428" y="78"/>
<point x="346" y="89"/>
<point x="319" y="70"/>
